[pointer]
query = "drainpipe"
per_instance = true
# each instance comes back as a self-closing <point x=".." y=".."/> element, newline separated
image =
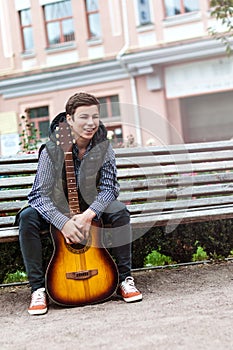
<point x="119" y="58"/>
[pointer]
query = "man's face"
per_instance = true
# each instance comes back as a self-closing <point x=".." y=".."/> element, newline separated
<point x="85" y="122"/>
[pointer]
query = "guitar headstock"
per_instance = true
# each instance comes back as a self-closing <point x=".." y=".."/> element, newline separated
<point x="64" y="136"/>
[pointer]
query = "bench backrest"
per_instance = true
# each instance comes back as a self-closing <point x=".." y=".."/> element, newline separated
<point x="152" y="179"/>
<point x="164" y="178"/>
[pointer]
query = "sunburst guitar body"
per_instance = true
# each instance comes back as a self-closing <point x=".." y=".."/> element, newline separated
<point x="84" y="273"/>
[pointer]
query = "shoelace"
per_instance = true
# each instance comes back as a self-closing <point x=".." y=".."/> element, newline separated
<point x="38" y="298"/>
<point x="128" y="285"/>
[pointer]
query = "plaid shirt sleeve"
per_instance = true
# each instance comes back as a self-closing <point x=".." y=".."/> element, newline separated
<point x="39" y="197"/>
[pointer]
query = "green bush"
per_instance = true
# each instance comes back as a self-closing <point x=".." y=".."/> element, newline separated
<point x="155" y="258"/>
<point x="215" y="236"/>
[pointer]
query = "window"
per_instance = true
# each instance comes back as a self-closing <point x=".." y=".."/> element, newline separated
<point x="59" y="22"/>
<point x="144" y="12"/>
<point x="177" y="7"/>
<point x="26" y="30"/>
<point x="109" y="107"/>
<point x="110" y="112"/>
<point x="93" y="19"/>
<point x="39" y="117"/>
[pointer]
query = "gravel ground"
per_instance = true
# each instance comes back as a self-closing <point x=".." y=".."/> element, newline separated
<point x="182" y="308"/>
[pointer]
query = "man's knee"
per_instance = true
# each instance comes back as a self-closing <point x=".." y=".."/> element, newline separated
<point x="118" y="213"/>
<point x="27" y="214"/>
<point x="30" y="221"/>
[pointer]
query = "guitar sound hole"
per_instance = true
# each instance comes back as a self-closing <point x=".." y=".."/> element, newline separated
<point x="81" y="247"/>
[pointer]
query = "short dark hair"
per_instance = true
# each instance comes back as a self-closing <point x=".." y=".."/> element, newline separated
<point x="80" y="99"/>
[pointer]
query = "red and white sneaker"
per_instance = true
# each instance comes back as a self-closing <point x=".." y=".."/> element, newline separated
<point x="38" y="305"/>
<point x="128" y="291"/>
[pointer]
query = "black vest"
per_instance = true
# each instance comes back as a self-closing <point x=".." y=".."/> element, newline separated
<point x="88" y="179"/>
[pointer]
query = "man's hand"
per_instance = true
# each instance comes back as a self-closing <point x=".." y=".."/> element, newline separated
<point x="78" y="227"/>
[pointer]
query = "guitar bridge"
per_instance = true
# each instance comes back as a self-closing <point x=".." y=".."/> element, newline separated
<point x="81" y="275"/>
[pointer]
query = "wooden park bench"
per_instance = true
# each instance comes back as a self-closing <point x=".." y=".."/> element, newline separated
<point x="161" y="185"/>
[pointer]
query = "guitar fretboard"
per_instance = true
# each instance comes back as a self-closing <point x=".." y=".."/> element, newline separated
<point x="71" y="184"/>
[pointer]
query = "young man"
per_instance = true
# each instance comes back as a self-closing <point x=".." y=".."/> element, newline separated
<point x="95" y="167"/>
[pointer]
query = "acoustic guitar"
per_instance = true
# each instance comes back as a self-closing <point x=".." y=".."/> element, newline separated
<point x="84" y="273"/>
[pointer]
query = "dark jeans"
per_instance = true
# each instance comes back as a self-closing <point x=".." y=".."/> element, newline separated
<point x="31" y="224"/>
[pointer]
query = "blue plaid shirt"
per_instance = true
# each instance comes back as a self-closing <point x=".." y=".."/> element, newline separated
<point x="108" y="190"/>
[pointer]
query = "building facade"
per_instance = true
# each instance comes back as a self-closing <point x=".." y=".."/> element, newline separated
<point x="160" y="77"/>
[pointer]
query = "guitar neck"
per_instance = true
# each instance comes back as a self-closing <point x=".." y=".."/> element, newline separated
<point x="71" y="184"/>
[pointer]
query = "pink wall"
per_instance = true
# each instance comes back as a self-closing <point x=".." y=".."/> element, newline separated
<point x="153" y="114"/>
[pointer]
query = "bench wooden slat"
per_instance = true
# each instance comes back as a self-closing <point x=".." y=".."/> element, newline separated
<point x="7" y="220"/>
<point x="14" y="194"/>
<point x="175" y="169"/>
<point x="8" y="169"/>
<point x="12" y="206"/>
<point x="175" y="149"/>
<point x="16" y="181"/>
<point x="171" y="181"/>
<point x="155" y="206"/>
<point x="9" y="234"/>
<point x="179" y="192"/>
<point x="20" y="158"/>
<point x="175" y="159"/>
<point x="182" y="217"/>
